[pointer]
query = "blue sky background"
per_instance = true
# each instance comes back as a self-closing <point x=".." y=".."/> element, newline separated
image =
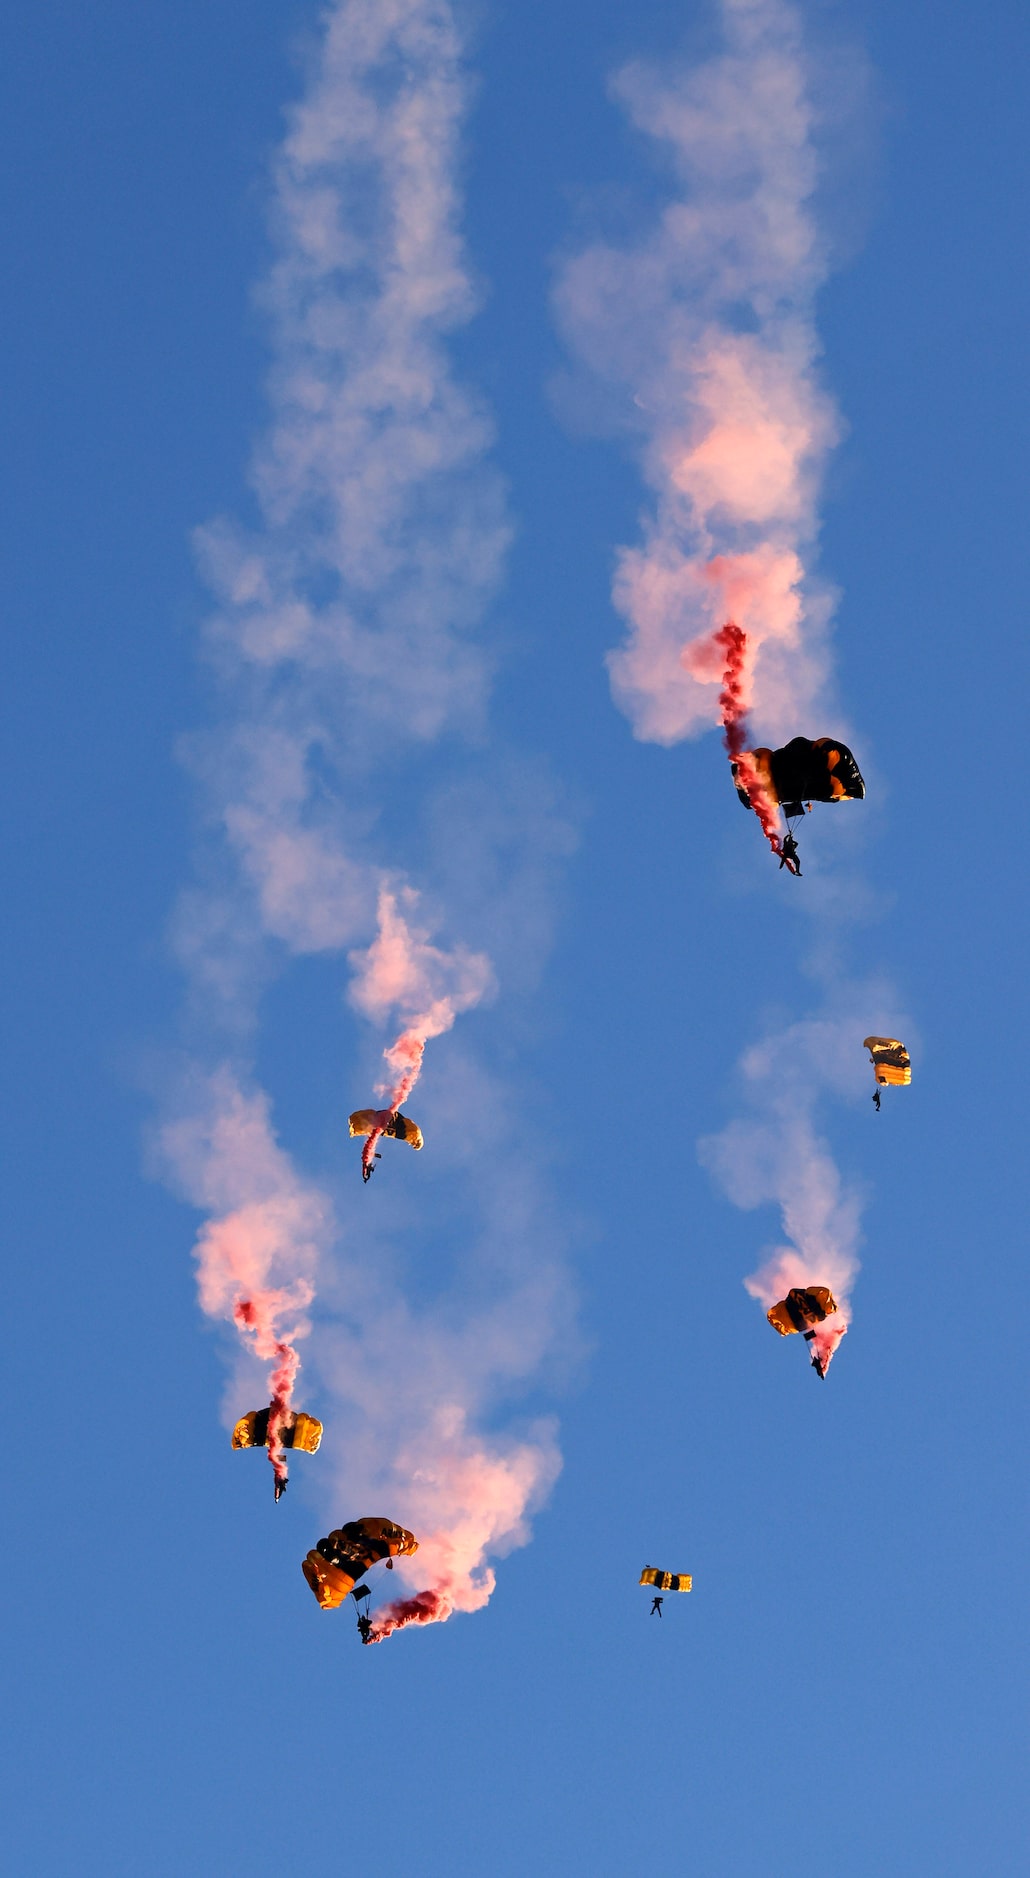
<point x="844" y="1691"/>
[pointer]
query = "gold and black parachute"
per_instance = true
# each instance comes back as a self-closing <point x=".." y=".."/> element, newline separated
<point x="805" y="770"/>
<point x="398" y="1127"/>
<point x="295" y="1431"/>
<point x="890" y="1060"/>
<point x="666" y="1581"/>
<point x="801" y="1310"/>
<point x="333" y="1567"/>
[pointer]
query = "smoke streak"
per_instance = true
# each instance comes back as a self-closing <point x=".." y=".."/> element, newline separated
<point x="707" y="325"/>
<point x="731" y="643"/>
<point x="344" y="649"/>
<point x="777" y="1156"/>
<point x="402" y="971"/>
<point x="705" y="330"/>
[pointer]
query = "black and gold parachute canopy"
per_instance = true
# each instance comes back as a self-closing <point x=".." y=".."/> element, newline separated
<point x="334" y="1565"/>
<point x="666" y="1581"/>
<point x="890" y="1060"/>
<point x="801" y="1309"/>
<point x="820" y="769"/>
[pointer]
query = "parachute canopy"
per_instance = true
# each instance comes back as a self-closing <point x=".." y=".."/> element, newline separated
<point x="802" y="1310"/>
<point x="805" y="770"/>
<point x="295" y="1431"/>
<point x="334" y="1566"/>
<point x="665" y="1581"/>
<point x="890" y="1060"/>
<point x="401" y="1127"/>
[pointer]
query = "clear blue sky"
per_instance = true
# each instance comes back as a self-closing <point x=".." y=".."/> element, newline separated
<point x="845" y="1690"/>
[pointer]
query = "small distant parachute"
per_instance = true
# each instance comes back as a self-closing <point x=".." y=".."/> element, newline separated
<point x="666" y="1581"/>
<point x="805" y="770"/>
<point x="334" y="1566"/>
<point x="804" y="1309"/>
<point x="890" y="1060"/>
<point x="295" y="1431"/>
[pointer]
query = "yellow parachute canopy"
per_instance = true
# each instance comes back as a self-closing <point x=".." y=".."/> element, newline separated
<point x="334" y="1566"/>
<point x="801" y="1309"/>
<point x="890" y="1060"/>
<point x="666" y="1581"/>
<point x="400" y="1127"/>
<point x="295" y="1431"/>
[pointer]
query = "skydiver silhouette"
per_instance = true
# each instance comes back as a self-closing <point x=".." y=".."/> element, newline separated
<point x="656" y="1606"/>
<point x="876" y="1099"/>
<point x="789" y="855"/>
<point x="365" y="1627"/>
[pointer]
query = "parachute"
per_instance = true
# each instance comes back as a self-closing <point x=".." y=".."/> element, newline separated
<point x="666" y="1581"/>
<point x="806" y="1309"/>
<point x="804" y="770"/>
<point x="374" y="1123"/>
<point x="890" y="1060"/>
<point x="802" y="1310"/>
<point x="384" y="1122"/>
<point x="334" y="1566"/>
<point x="295" y="1431"/>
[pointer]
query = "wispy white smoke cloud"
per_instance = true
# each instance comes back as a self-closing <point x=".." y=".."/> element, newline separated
<point x="707" y="324"/>
<point x="345" y="649"/>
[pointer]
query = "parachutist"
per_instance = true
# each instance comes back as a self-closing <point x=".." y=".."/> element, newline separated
<point x="656" y="1607"/>
<point x="876" y="1100"/>
<point x="789" y="855"/>
<point x="280" y="1488"/>
<point x="382" y="1124"/>
<point x="365" y="1627"/>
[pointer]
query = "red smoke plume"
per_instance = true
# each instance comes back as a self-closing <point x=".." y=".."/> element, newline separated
<point x="257" y="1315"/>
<point x="426" y="1607"/>
<point x="732" y="642"/>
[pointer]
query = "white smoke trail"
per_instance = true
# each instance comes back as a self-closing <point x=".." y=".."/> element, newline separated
<point x="344" y="648"/>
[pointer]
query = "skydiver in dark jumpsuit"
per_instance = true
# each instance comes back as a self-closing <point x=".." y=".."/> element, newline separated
<point x="656" y="1606"/>
<point x="876" y="1099"/>
<point x="789" y="855"/>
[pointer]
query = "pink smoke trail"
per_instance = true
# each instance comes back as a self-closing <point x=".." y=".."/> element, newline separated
<point x="734" y="425"/>
<point x="732" y="641"/>
<point x="257" y="1315"/>
<point x="402" y="969"/>
<point x="426" y="1607"/>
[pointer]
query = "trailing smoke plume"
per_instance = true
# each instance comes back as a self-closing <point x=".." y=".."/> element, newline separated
<point x="257" y="1254"/>
<point x="403" y="972"/>
<point x="705" y="328"/>
<point x="707" y="325"/>
<point x="775" y="1154"/>
<point x="730" y="645"/>
<point x="344" y="647"/>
